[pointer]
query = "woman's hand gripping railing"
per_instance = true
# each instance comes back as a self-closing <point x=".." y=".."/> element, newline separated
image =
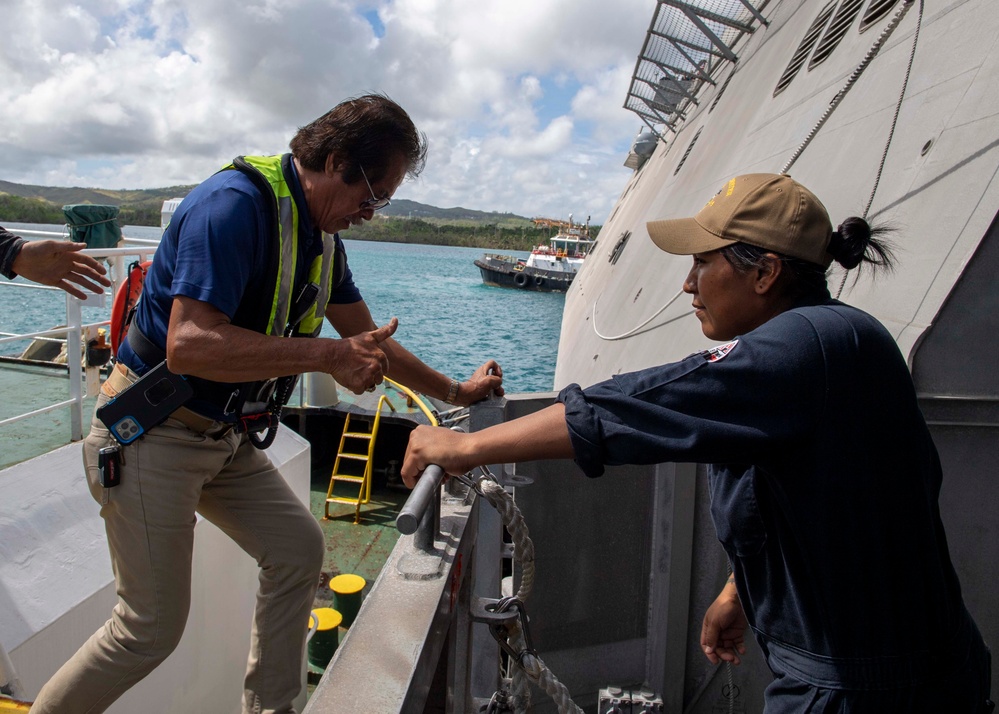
<point x="420" y="514"/>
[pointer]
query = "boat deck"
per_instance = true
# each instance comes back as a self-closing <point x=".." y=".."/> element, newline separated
<point x="360" y="549"/>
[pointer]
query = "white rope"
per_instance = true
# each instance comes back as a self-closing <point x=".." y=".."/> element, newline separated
<point x="632" y="331"/>
<point x="868" y="58"/>
<point x="523" y="553"/>
<point x="531" y="666"/>
<point x="513" y="519"/>
<point x="731" y="688"/>
<point x="520" y="695"/>
<point x="543" y="677"/>
<point x="894" y="120"/>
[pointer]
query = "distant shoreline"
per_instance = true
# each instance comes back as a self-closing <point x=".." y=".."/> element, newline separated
<point x="412" y="231"/>
<point x="402" y="221"/>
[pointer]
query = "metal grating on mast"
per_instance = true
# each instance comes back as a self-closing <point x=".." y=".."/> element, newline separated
<point x="686" y="41"/>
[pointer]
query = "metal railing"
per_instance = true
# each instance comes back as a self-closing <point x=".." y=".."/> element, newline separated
<point x="83" y="381"/>
<point x="425" y="596"/>
<point x="685" y="43"/>
<point x="612" y="588"/>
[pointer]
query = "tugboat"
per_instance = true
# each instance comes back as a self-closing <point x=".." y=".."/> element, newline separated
<point x="550" y="268"/>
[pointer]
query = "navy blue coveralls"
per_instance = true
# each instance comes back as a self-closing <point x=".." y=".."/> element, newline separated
<point x="824" y="483"/>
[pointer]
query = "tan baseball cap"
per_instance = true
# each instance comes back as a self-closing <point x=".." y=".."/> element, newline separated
<point x="770" y="211"/>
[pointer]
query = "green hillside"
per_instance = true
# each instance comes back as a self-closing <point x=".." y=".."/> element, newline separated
<point x="23" y="203"/>
<point x="402" y="221"/>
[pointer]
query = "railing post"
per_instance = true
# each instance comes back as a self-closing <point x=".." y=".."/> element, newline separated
<point x="484" y="655"/>
<point x="74" y="323"/>
<point x="430" y="525"/>
<point x="421" y="512"/>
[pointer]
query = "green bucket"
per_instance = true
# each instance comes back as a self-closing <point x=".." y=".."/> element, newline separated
<point x="347" y="591"/>
<point x="325" y="639"/>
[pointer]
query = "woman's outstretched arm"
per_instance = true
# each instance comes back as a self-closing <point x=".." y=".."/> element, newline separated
<point x="542" y="435"/>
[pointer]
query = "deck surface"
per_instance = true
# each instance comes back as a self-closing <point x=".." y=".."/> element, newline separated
<point x="360" y="549"/>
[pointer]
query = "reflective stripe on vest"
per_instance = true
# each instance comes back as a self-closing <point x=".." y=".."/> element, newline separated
<point x="320" y="273"/>
<point x="321" y="270"/>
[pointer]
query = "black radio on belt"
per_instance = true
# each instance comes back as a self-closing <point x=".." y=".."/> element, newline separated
<point x="144" y="404"/>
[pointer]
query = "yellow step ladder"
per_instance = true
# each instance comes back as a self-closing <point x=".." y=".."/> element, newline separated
<point x="356" y="447"/>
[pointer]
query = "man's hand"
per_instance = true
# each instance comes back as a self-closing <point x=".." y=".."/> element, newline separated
<point x="724" y="629"/>
<point x="359" y="363"/>
<point x="486" y="380"/>
<point x="435" y="445"/>
<point x="58" y="263"/>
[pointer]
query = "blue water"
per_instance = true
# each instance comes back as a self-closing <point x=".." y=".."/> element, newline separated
<point x="447" y="317"/>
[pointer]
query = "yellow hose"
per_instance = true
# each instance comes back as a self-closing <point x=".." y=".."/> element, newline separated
<point x="416" y="400"/>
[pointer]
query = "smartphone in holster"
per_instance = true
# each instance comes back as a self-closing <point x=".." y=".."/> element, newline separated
<point x="146" y="403"/>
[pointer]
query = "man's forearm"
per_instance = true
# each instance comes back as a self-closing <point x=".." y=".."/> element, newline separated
<point x="202" y="342"/>
<point x="233" y="354"/>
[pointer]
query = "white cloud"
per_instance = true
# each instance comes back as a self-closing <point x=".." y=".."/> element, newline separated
<point x="521" y="100"/>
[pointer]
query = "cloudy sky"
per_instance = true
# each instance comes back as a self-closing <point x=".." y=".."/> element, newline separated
<point x="521" y="99"/>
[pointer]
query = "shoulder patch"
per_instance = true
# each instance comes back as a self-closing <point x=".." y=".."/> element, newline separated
<point x="717" y="353"/>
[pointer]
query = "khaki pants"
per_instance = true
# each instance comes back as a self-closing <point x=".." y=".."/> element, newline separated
<point x="168" y="475"/>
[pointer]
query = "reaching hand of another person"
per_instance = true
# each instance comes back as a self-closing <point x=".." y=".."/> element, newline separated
<point x="59" y="263"/>
<point x="359" y="363"/>
<point x="485" y="381"/>
<point x="435" y="445"/>
<point x="724" y="629"/>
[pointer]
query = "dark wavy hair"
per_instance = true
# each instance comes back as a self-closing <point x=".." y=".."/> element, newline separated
<point x="855" y="243"/>
<point x="368" y="131"/>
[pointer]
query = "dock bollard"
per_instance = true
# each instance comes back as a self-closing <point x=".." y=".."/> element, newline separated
<point x="324" y="642"/>
<point x="347" y="590"/>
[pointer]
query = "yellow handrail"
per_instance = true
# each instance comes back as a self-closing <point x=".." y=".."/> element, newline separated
<point x="413" y="397"/>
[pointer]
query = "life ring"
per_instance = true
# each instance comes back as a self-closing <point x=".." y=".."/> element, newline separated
<point x="520" y="279"/>
<point x="539" y="281"/>
<point x="124" y="300"/>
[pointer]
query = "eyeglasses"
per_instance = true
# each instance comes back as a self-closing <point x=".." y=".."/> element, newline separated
<point x="374" y="203"/>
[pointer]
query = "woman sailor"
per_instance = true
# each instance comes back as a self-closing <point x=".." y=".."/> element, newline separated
<point x="823" y="474"/>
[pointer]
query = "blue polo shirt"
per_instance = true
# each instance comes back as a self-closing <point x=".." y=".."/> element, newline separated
<point x="824" y="482"/>
<point x="217" y="247"/>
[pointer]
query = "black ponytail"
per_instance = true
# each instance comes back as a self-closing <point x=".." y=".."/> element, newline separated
<point x="853" y="244"/>
<point x="856" y="242"/>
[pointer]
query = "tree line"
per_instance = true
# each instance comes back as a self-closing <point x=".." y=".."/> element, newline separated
<point x="484" y="235"/>
<point x="391" y="229"/>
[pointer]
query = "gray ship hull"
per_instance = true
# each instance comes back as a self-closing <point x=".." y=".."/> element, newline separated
<point x="939" y="188"/>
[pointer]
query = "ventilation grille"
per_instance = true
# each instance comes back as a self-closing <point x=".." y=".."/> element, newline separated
<point x="619" y="247"/>
<point x="800" y="54"/>
<point x="841" y="22"/>
<point x="687" y="152"/>
<point x="720" y="93"/>
<point x="876" y="12"/>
